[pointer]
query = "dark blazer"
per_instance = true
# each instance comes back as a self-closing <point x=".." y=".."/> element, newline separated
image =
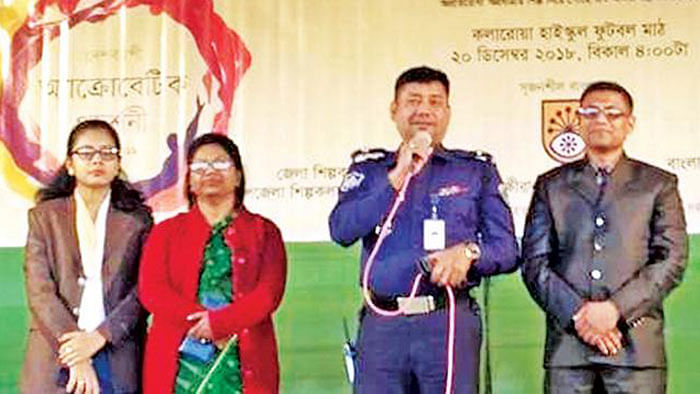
<point x="54" y="276"/>
<point x="627" y="245"/>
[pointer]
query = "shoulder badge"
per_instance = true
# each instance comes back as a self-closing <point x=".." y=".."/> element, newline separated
<point x="351" y="180"/>
<point x="473" y="154"/>
<point x="362" y="155"/>
<point x="482" y="156"/>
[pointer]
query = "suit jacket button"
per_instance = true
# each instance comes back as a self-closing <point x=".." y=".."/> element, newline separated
<point x="599" y="221"/>
<point x="596" y="274"/>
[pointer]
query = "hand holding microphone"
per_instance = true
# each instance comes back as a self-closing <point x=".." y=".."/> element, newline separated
<point x="411" y="157"/>
<point x="420" y="148"/>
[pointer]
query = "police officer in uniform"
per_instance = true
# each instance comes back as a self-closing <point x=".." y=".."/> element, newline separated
<point x="605" y="242"/>
<point x="453" y="217"/>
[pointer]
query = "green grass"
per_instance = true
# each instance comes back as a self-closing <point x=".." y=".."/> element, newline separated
<point x="322" y="289"/>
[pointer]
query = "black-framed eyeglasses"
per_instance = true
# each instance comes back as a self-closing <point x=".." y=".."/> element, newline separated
<point x="610" y="113"/>
<point x="88" y="153"/>
<point x="218" y="165"/>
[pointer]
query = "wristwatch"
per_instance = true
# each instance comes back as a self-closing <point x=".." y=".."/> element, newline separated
<point x="472" y="251"/>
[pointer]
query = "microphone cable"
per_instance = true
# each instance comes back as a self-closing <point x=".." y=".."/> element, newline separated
<point x="383" y="233"/>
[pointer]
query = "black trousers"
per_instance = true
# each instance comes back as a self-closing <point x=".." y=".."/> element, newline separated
<point x="605" y="379"/>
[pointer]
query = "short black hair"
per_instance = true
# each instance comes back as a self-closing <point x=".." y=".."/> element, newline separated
<point x="231" y="150"/>
<point x="611" y="86"/>
<point x="422" y="74"/>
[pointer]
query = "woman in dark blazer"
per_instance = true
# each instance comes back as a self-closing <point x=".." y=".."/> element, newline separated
<point x="81" y="267"/>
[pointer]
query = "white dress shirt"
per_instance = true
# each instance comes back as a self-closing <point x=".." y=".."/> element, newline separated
<point x="91" y="239"/>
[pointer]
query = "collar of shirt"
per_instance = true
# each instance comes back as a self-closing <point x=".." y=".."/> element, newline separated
<point x="605" y="168"/>
<point x="439" y="153"/>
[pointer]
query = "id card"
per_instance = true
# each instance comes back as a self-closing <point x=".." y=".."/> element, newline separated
<point x="433" y="234"/>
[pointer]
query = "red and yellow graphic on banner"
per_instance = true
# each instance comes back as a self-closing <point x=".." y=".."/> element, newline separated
<point x="29" y="27"/>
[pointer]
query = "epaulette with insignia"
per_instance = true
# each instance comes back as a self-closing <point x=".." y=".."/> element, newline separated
<point x="362" y="155"/>
<point x="473" y="154"/>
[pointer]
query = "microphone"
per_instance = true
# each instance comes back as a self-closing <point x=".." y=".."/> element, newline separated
<point x="421" y="142"/>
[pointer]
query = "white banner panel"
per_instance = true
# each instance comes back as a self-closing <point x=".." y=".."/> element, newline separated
<point x="300" y="85"/>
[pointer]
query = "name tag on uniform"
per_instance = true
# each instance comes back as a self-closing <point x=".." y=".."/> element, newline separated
<point x="433" y="234"/>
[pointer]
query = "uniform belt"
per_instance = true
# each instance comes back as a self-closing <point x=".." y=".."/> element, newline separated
<point x="420" y="304"/>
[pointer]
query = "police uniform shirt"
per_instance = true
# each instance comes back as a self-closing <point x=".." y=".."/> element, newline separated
<point x="463" y="186"/>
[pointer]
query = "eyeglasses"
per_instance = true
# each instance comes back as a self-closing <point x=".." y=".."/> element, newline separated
<point x="611" y="113"/>
<point x="88" y="153"/>
<point x="202" y="166"/>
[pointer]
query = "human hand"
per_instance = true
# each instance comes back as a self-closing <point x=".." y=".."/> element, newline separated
<point x="609" y="343"/>
<point x="201" y="328"/>
<point x="601" y="316"/>
<point x="83" y="379"/>
<point x="411" y="157"/>
<point x="596" y="324"/>
<point x="449" y="266"/>
<point x="79" y="346"/>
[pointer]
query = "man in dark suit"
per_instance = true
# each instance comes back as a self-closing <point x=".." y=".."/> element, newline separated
<point x="605" y="242"/>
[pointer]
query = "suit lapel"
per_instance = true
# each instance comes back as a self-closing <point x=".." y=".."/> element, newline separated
<point x="116" y="233"/>
<point x="582" y="180"/>
<point x="622" y="178"/>
<point x="70" y="233"/>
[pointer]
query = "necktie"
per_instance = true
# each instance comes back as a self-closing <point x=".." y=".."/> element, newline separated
<point x="602" y="177"/>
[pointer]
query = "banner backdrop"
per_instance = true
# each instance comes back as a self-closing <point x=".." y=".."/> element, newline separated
<point x="301" y="84"/>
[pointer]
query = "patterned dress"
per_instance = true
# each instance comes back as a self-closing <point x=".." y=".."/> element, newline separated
<point x="222" y="374"/>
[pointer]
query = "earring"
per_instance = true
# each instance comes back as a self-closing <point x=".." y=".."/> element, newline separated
<point x="70" y="172"/>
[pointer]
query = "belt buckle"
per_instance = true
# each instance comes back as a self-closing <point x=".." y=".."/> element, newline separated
<point x="416" y="305"/>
